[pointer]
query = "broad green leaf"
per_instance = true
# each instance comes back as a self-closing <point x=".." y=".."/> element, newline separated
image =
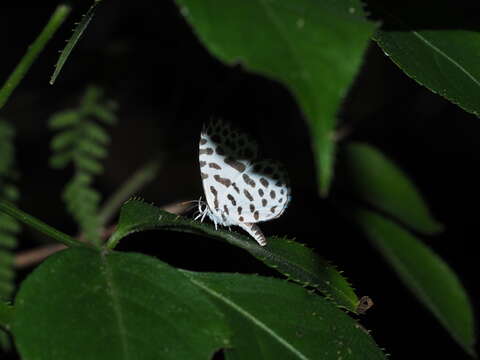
<point x="375" y="179"/>
<point x="439" y="49"/>
<point x="314" y="48"/>
<point x="424" y="273"/>
<point x="83" y="304"/>
<point x="274" y="319"/>
<point x="288" y="257"/>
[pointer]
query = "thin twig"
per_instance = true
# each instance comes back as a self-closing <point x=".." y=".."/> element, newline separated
<point x="31" y="257"/>
<point x="134" y="183"/>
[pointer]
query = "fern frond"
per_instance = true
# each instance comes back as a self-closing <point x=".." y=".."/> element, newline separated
<point x="9" y="227"/>
<point x="82" y="142"/>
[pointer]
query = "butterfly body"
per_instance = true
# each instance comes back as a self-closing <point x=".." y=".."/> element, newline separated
<point x="239" y="189"/>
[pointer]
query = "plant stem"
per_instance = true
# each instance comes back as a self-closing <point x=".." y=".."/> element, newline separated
<point x="34" y="49"/>
<point x="135" y="182"/>
<point x="38" y="225"/>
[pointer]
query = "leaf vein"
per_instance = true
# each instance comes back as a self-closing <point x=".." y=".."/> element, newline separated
<point x="250" y="317"/>
<point x="457" y="64"/>
<point x="111" y="290"/>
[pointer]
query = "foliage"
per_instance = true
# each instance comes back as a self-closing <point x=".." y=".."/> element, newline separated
<point x="57" y="18"/>
<point x="9" y="227"/>
<point x="292" y="259"/>
<point x="430" y="282"/>
<point x="292" y="50"/>
<point x="147" y="308"/>
<point x="432" y="52"/>
<point x="366" y="174"/>
<point x="77" y="33"/>
<point x="82" y="142"/>
<point x="144" y="304"/>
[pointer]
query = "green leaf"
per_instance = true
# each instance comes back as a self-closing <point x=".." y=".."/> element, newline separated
<point x="10" y="192"/>
<point x="7" y="131"/>
<point x="9" y="224"/>
<point x="301" y="264"/>
<point x="77" y="33"/>
<point x="429" y="278"/>
<point x="428" y="48"/>
<point x="88" y="164"/>
<point x="142" y="308"/>
<point x="96" y="132"/>
<point x="6" y="315"/>
<point x="273" y="319"/>
<point x="288" y="257"/>
<point x="9" y="241"/>
<point x="64" y="119"/>
<point x="59" y="161"/>
<point x="5" y="343"/>
<point x="375" y="179"/>
<point x="105" y="113"/>
<point x="64" y="140"/>
<point x="314" y="48"/>
<point x="91" y="148"/>
<point x="57" y="18"/>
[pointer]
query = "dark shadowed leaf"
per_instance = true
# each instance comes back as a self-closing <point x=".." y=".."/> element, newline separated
<point x="273" y="319"/>
<point x="375" y="179"/>
<point x="438" y="49"/>
<point x="424" y="273"/>
<point x="313" y="47"/>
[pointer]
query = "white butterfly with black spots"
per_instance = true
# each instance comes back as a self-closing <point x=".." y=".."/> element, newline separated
<point x="240" y="189"/>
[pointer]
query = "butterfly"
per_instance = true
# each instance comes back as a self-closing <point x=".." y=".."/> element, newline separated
<point x="239" y="188"/>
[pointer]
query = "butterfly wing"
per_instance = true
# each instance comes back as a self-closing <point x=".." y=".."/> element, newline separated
<point x="265" y="190"/>
<point x="223" y="154"/>
<point x="239" y="190"/>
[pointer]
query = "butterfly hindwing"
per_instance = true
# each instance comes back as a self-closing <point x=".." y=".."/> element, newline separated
<point x="264" y="191"/>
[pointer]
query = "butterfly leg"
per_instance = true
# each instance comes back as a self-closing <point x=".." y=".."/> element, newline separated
<point x="203" y="215"/>
<point x="255" y="232"/>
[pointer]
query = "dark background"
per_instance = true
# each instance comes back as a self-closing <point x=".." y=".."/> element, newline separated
<point x="145" y="56"/>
